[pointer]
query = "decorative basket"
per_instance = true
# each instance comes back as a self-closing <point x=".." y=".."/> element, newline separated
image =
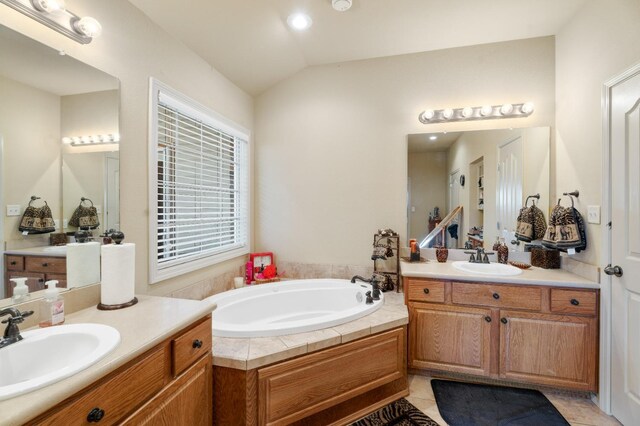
<point x="545" y="258"/>
<point x="58" y="239"/>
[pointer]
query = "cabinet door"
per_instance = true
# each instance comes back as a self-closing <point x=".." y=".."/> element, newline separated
<point x="450" y="338"/>
<point x="188" y="400"/>
<point x="554" y="350"/>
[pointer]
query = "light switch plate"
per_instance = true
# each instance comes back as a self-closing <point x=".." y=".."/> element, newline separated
<point x="593" y="214"/>
<point x="56" y="223"/>
<point x="13" y="210"/>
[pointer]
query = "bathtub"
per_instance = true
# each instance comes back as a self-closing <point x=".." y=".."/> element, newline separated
<point x="289" y="307"/>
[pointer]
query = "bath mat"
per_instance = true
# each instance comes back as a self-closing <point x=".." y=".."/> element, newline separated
<point x="398" y="413"/>
<point x="468" y="404"/>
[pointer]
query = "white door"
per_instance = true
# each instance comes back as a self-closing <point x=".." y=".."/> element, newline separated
<point x="112" y="190"/>
<point x="509" y="187"/>
<point x="625" y="249"/>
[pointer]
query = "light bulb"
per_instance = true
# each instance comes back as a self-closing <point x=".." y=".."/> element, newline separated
<point x="115" y="137"/>
<point x="48" y="6"/>
<point x="66" y="140"/>
<point x="506" y="109"/>
<point x="433" y="137"/>
<point x="428" y="114"/>
<point x="85" y="139"/>
<point x="467" y="112"/>
<point x="88" y="27"/>
<point x="299" y="21"/>
<point x="527" y="108"/>
<point x="447" y="113"/>
<point x="75" y="139"/>
<point x="486" y="110"/>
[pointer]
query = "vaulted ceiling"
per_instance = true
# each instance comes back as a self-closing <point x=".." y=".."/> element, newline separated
<point x="250" y="43"/>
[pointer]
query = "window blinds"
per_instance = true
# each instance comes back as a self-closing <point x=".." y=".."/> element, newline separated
<point x="202" y="186"/>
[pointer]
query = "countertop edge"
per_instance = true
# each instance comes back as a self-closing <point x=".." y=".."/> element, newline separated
<point x="110" y="363"/>
<point x="503" y="280"/>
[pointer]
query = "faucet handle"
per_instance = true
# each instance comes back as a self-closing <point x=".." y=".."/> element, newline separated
<point x="16" y="317"/>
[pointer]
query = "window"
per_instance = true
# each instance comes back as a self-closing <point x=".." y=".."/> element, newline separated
<point x="198" y="185"/>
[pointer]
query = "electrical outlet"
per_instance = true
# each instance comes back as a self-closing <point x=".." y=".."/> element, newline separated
<point x="413" y="209"/>
<point x="13" y="210"/>
<point x="65" y="223"/>
<point x="98" y="209"/>
<point x="593" y="214"/>
<point x="56" y="223"/>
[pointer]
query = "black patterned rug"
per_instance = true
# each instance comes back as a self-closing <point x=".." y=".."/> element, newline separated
<point x="398" y="413"/>
<point x="468" y="404"/>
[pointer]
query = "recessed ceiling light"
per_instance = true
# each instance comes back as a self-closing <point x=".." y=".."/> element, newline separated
<point x="433" y="138"/>
<point x="341" y="5"/>
<point x="299" y="21"/>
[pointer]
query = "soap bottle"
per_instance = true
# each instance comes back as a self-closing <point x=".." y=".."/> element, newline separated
<point x="51" y="306"/>
<point x="503" y="252"/>
<point x="496" y="245"/>
<point x="20" y="291"/>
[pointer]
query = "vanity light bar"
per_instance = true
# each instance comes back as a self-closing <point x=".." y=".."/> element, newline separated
<point x="487" y="112"/>
<point x="91" y="140"/>
<point x="53" y="14"/>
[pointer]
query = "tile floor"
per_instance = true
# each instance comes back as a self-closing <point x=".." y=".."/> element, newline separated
<point x="577" y="411"/>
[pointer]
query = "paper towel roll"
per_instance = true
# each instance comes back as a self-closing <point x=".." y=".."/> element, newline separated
<point x="83" y="264"/>
<point x="118" y="273"/>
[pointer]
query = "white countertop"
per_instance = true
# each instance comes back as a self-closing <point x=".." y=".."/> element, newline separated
<point x="141" y="327"/>
<point x="533" y="275"/>
<point x="36" y="251"/>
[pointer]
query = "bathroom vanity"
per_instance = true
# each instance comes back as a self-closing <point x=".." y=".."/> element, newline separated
<point x="541" y="328"/>
<point x="36" y="265"/>
<point x="161" y="372"/>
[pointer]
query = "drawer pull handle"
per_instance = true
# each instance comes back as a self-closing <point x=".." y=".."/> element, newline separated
<point x="44" y="265"/>
<point x="575" y="302"/>
<point x="197" y="344"/>
<point x="503" y="320"/>
<point x="496" y="296"/>
<point x="95" y="415"/>
<point x="40" y="280"/>
<point x="426" y="291"/>
<point x="14" y="263"/>
<point x="487" y="318"/>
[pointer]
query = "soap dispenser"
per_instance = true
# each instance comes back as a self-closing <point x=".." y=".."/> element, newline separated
<point x="20" y="291"/>
<point x="51" y="306"/>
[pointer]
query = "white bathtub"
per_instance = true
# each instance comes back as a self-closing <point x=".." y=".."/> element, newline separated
<point x="289" y="307"/>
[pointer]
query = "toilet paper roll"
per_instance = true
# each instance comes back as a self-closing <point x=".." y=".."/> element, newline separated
<point x="118" y="273"/>
<point x="83" y="264"/>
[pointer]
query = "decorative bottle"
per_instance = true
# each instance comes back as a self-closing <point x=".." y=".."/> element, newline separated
<point x="503" y="252"/>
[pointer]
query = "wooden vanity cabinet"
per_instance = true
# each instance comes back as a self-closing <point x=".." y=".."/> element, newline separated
<point x="527" y="334"/>
<point x="149" y="390"/>
<point x="38" y="270"/>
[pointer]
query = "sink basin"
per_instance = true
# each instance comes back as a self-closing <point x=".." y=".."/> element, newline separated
<point x="48" y="355"/>
<point x="498" y="269"/>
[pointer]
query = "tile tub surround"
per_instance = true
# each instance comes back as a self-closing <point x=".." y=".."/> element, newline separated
<point x="531" y="276"/>
<point x="251" y="353"/>
<point x="141" y="327"/>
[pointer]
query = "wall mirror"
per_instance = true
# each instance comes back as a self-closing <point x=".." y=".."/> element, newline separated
<point x="490" y="173"/>
<point x="59" y="128"/>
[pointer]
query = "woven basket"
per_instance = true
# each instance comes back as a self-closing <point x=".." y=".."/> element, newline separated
<point x="545" y="258"/>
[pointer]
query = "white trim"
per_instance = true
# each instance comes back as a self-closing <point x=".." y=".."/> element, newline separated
<point x="228" y="126"/>
<point x="3" y="204"/>
<point x="604" y="396"/>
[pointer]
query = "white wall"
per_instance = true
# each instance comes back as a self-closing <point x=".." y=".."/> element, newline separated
<point x="132" y="48"/>
<point x="427" y="172"/>
<point x="30" y="128"/>
<point x="600" y="42"/>
<point x="331" y="152"/>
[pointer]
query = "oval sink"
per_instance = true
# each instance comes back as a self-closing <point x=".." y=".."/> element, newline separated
<point x="48" y="355"/>
<point x="498" y="269"/>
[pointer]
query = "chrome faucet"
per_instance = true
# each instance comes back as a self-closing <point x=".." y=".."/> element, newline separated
<point x="479" y="256"/>
<point x="12" y="333"/>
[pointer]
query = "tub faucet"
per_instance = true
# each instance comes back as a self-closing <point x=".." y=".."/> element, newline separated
<point x="358" y="277"/>
<point x="375" y="281"/>
<point x="12" y="333"/>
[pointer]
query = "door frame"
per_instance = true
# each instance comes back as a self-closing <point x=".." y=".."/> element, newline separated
<point x="604" y="394"/>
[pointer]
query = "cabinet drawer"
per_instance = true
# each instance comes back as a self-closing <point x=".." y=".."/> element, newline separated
<point x="190" y="346"/>
<point x="46" y="264"/>
<point x="571" y="301"/>
<point x="116" y="397"/>
<point x="15" y="263"/>
<point x="425" y="291"/>
<point x="499" y="296"/>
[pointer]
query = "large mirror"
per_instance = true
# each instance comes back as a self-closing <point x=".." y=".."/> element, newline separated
<point x="490" y="173"/>
<point x="59" y="128"/>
